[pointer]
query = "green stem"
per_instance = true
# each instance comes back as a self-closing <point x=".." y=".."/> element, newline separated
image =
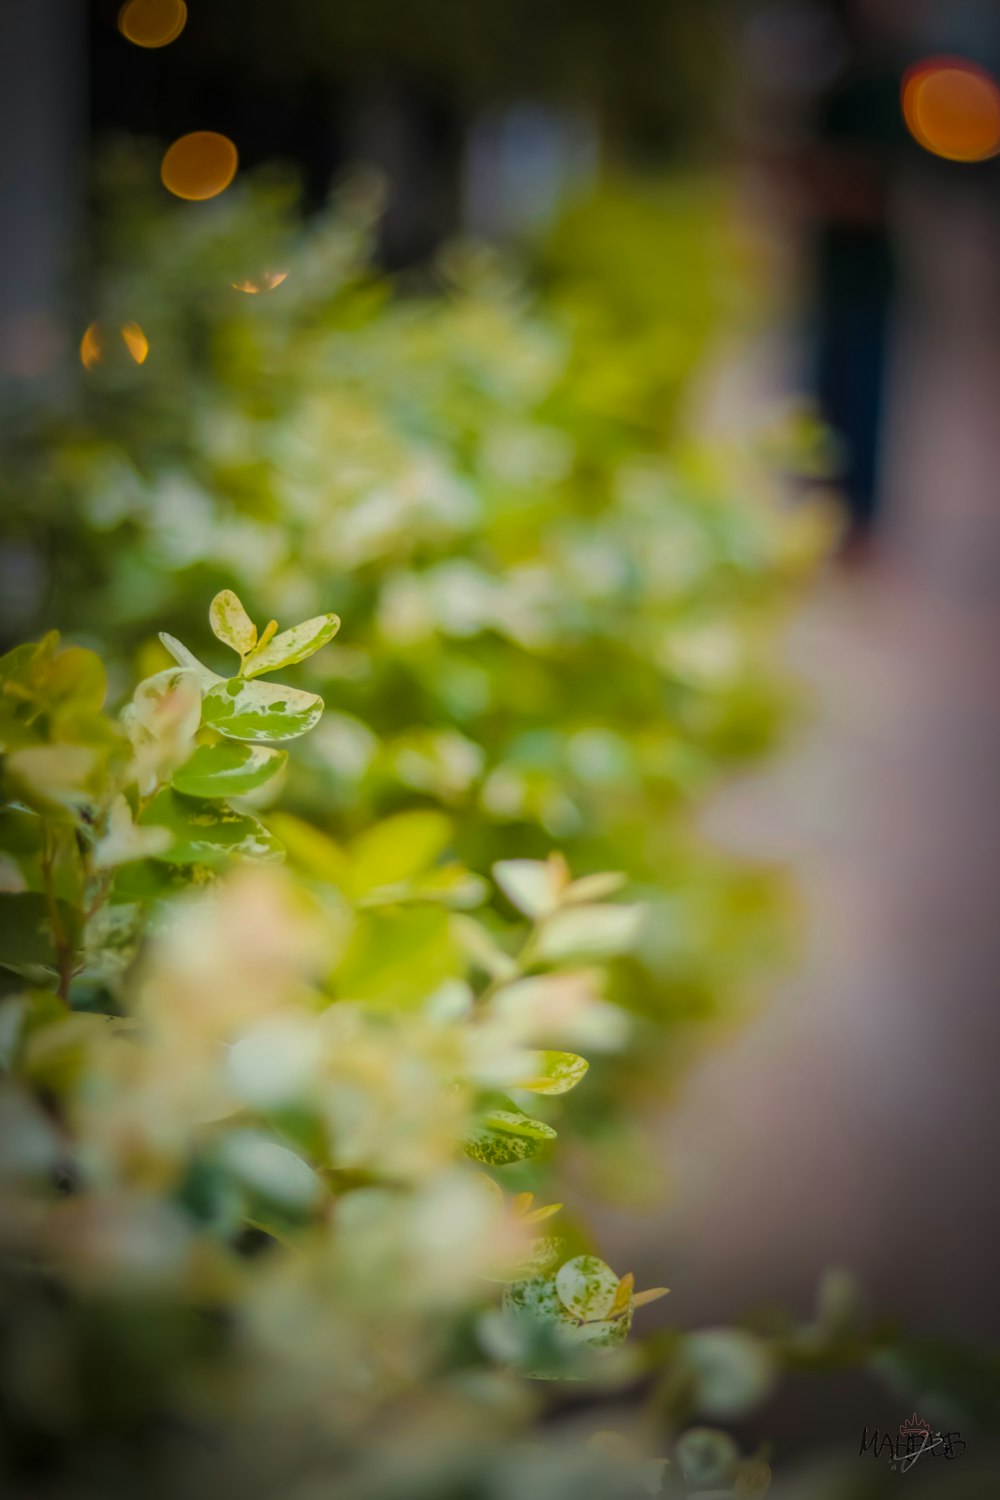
<point x="60" y="938"/>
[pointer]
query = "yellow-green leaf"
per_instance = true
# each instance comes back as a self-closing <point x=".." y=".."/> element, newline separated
<point x="231" y="623"/>
<point x="554" y="1073"/>
<point x="291" y="646"/>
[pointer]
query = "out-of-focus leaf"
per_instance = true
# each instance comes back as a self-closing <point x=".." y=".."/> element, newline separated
<point x="589" y="932"/>
<point x="482" y="949"/>
<point x="753" y="1479"/>
<point x="310" y="850"/>
<point x="124" y="842"/>
<point x="48" y="776"/>
<point x="594" y="887"/>
<point x="169" y="701"/>
<point x="55" y="1054"/>
<point x="554" y="1073"/>
<point x="706" y="1456"/>
<point x="398" y="955"/>
<point x="397" y="849"/>
<point x="733" y="1370"/>
<point x="26" y="932"/>
<point x="50" y="694"/>
<point x="271" y="1170"/>
<point x="532" y="885"/>
<point x="538" y="1255"/>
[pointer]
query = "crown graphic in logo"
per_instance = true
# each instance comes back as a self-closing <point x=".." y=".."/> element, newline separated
<point x="914" y="1427"/>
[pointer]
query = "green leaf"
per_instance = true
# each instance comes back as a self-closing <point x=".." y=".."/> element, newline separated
<point x="398" y="849"/>
<point x="260" y="710"/>
<point x="207" y="832"/>
<point x="228" y="769"/>
<point x="185" y="658"/>
<point x="123" y="842"/>
<point x="587" y="1287"/>
<point x="594" y="887"/>
<point x="167" y="703"/>
<point x="397" y="956"/>
<point x="576" y="1310"/>
<point x="535" y="1299"/>
<point x="270" y="1170"/>
<point x="291" y="646"/>
<point x="26" y="933"/>
<point x="310" y="850"/>
<point x="51" y="776"/>
<point x="481" y="949"/>
<point x="554" y="1073"/>
<point x="537" y="1256"/>
<point x="231" y="624"/>
<point x="532" y="885"/>
<point x="149" y="881"/>
<point x="75" y="679"/>
<point x="502" y="1136"/>
<point x="706" y="1456"/>
<point x="589" y="932"/>
<point x="733" y="1369"/>
<point x="50" y="695"/>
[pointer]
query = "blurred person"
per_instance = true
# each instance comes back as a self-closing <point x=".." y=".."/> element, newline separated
<point x="849" y="165"/>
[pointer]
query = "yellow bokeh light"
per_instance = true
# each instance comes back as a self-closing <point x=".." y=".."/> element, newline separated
<point x="199" y="165"/>
<point x="91" y="347"/>
<point x="136" y="342"/>
<point x="952" y="108"/>
<point x="267" y="283"/>
<point x="152" y="23"/>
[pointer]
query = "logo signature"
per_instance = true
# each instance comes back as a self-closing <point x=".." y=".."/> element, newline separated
<point x="915" y="1439"/>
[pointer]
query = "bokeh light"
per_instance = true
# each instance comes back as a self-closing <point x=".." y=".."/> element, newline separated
<point x="952" y="108"/>
<point x="152" y="23"/>
<point x="136" y="342"/>
<point x="199" y="165"/>
<point x="264" y="283"/>
<point x="91" y="347"/>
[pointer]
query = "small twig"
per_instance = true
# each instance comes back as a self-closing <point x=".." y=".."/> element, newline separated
<point x="60" y="938"/>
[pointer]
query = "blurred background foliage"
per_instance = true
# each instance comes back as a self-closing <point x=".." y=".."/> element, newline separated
<point x="562" y="612"/>
<point x="266" y="1164"/>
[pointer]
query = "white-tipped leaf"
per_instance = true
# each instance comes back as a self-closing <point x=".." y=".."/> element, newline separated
<point x="231" y="623"/>
<point x="291" y="646"/>
<point x="260" y="711"/>
<point x="228" y="769"/>
<point x="206" y="677"/>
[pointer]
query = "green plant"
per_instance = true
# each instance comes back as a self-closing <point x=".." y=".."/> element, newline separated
<point x="245" y="1115"/>
<point x="272" y="1143"/>
<point x="563" y="617"/>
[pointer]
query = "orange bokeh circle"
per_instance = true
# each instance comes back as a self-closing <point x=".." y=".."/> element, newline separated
<point x="152" y="23"/>
<point x="952" y="108"/>
<point x="199" y="165"/>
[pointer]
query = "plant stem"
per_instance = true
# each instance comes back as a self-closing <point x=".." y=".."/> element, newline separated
<point x="60" y="938"/>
